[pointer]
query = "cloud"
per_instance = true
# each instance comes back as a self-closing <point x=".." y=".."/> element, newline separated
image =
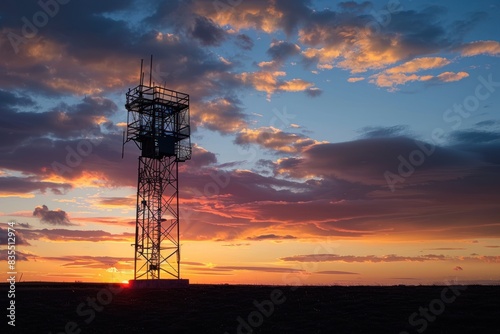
<point x="488" y="123"/>
<point x="111" y="63"/>
<point x="401" y="74"/>
<point x="10" y="99"/>
<point x="259" y="14"/>
<point x="473" y="136"/>
<point x="56" y="217"/>
<point x="355" y="79"/>
<point x="406" y="72"/>
<point x="24" y="225"/>
<point x="354" y="6"/>
<point x="491" y="48"/>
<point x="202" y="157"/>
<point x="384" y="132"/>
<point x="65" y="146"/>
<point x="65" y="235"/>
<point x="368" y="258"/>
<point x="83" y="119"/>
<point x="282" y="50"/>
<point x="344" y="185"/>
<point x="269" y="82"/>
<point x="244" y="42"/>
<point x="19" y="237"/>
<point x="447" y="248"/>
<point x="108" y="220"/>
<point x="12" y="186"/>
<point x="274" y="139"/>
<point x="116" y="202"/>
<point x="345" y="40"/>
<point x="271" y="237"/>
<point x="202" y="268"/>
<point x="385" y="258"/>
<point x="207" y="32"/>
<point x="354" y="161"/>
<point x="56" y="109"/>
<point x="236" y="245"/>
<point x="452" y="76"/>
<point x="224" y="115"/>
<point x="20" y="256"/>
<point x="314" y="92"/>
<point x="97" y="262"/>
<point x="263" y="269"/>
<point x="419" y="64"/>
<point x="392" y="80"/>
<point x="335" y="272"/>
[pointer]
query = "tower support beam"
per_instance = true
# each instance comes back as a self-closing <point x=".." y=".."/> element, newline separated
<point x="157" y="247"/>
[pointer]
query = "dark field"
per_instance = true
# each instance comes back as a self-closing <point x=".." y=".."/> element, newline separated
<point x="103" y="308"/>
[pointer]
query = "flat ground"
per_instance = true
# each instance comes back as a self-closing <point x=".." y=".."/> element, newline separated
<point x="103" y="308"/>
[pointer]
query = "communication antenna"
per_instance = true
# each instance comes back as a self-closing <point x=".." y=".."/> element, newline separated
<point x="158" y="123"/>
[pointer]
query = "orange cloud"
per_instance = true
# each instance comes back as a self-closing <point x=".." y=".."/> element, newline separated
<point x="262" y="80"/>
<point x="419" y="64"/>
<point x="85" y="179"/>
<point x="268" y="81"/>
<point x="407" y="72"/>
<point x="248" y="14"/>
<point x="101" y="262"/>
<point x="451" y="76"/>
<point x="295" y="85"/>
<point x="355" y="79"/>
<point x="391" y="80"/>
<point x="222" y="114"/>
<point x="386" y="258"/>
<point x="66" y="235"/>
<point x="491" y="48"/>
<point x="275" y="139"/>
<point x="93" y="76"/>
<point x="353" y="49"/>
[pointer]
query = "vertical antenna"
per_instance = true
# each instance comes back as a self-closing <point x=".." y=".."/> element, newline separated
<point x="151" y="71"/>
<point x="141" y="74"/>
<point x="123" y="145"/>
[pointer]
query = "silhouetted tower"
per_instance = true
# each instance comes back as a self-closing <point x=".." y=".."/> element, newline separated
<point x="158" y="122"/>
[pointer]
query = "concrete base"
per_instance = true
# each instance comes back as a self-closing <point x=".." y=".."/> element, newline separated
<point x="158" y="283"/>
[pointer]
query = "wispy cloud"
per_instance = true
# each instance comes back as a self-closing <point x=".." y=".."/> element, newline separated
<point x="335" y="272"/>
<point x="65" y="235"/>
<point x="386" y="258"/>
<point x="491" y="48"/>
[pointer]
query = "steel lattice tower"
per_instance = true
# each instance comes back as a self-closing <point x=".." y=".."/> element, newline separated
<point x="158" y="122"/>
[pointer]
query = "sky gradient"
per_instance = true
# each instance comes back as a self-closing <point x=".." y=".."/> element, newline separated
<point x="345" y="143"/>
